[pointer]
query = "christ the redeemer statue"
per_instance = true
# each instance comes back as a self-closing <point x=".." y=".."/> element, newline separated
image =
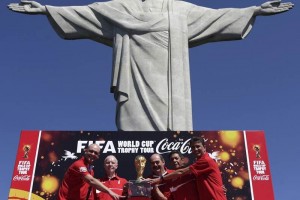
<point x="150" y="41"/>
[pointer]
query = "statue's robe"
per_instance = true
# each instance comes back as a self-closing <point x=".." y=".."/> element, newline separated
<point x="150" y="40"/>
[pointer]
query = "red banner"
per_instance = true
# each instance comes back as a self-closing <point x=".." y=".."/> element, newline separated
<point x="23" y="173"/>
<point x="259" y="166"/>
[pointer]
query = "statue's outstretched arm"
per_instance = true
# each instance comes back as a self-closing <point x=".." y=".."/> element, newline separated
<point x="273" y="8"/>
<point x="28" y="7"/>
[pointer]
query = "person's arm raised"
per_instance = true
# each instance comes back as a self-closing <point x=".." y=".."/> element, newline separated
<point x="172" y="176"/>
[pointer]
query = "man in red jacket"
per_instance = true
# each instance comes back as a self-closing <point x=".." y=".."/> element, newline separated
<point x="205" y="169"/>
<point x="78" y="180"/>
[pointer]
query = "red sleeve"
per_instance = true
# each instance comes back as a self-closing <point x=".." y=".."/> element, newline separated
<point x="201" y="166"/>
<point x="124" y="181"/>
<point x="80" y="169"/>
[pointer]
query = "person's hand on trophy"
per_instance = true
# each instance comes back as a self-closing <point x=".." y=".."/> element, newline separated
<point x="153" y="181"/>
<point x="138" y="188"/>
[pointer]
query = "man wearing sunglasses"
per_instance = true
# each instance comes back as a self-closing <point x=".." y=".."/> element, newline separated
<point x="78" y="180"/>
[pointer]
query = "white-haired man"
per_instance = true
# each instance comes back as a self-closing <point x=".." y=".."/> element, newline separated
<point x="79" y="178"/>
<point x="111" y="180"/>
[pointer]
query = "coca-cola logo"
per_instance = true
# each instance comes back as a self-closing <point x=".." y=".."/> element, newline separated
<point x="261" y="177"/>
<point x="164" y="146"/>
<point x="21" y="178"/>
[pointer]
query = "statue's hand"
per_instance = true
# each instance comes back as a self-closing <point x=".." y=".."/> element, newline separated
<point x="273" y="8"/>
<point x="28" y="7"/>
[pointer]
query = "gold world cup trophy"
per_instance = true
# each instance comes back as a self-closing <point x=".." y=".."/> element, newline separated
<point x="257" y="151"/>
<point x="136" y="188"/>
<point x="26" y="150"/>
<point x="140" y="164"/>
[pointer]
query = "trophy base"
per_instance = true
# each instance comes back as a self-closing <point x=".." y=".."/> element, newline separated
<point x="139" y="190"/>
<point x="138" y="198"/>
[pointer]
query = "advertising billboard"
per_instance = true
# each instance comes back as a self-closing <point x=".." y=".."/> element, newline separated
<point x="44" y="156"/>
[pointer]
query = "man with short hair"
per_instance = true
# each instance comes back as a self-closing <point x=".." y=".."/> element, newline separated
<point x="176" y="159"/>
<point x="184" y="187"/>
<point x="206" y="171"/>
<point x="111" y="180"/>
<point x="78" y="180"/>
<point x="160" y="191"/>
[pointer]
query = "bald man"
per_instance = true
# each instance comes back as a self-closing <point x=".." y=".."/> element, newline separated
<point x="78" y="180"/>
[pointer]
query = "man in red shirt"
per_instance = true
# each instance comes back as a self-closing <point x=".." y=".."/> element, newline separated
<point x="206" y="171"/>
<point x="160" y="191"/>
<point x="184" y="187"/>
<point x="111" y="180"/>
<point x="78" y="180"/>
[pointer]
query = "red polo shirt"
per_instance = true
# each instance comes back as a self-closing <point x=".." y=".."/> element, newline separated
<point x="208" y="178"/>
<point x="115" y="184"/>
<point x="185" y="188"/>
<point x="73" y="187"/>
<point x="166" y="185"/>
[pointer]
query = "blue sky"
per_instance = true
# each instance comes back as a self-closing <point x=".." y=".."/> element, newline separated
<point x="51" y="84"/>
